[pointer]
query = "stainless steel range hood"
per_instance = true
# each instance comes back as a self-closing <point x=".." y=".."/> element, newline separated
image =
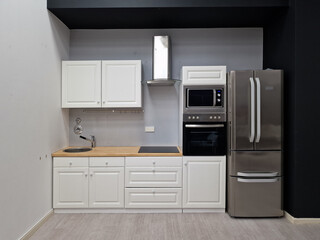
<point x="161" y="65"/>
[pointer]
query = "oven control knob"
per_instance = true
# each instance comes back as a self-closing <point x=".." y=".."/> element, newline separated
<point x="219" y="95"/>
<point x="210" y="117"/>
<point x="215" y="117"/>
<point x="197" y="117"/>
<point x="193" y="117"/>
<point x="189" y="117"/>
<point x="219" y="117"/>
<point x="218" y="100"/>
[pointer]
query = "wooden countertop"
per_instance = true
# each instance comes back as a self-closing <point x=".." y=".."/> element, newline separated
<point x="113" y="152"/>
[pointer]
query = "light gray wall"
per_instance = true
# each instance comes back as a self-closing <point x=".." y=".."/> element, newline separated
<point x="237" y="48"/>
<point x="32" y="125"/>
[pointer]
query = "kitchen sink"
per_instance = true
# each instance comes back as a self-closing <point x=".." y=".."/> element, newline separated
<point x="76" y="150"/>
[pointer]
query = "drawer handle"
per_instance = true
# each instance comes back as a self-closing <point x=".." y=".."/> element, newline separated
<point x="91" y="174"/>
<point x="106" y="163"/>
<point x="70" y="163"/>
<point x="86" y="174"/>
<point x="153" y="191"/>
<point x="154" y="162"/>
<point x="186" y="164"/>
<point x="153" y="170"/>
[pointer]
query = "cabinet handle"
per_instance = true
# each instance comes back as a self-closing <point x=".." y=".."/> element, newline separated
<point x="153" y="191"/>
<point x="86" y="174"/>
<point x="91" y="174"/>
<point x="186" y="164"/>
<point x="154" y="162"/>
<point x="104" y="102"/>
<point x="98" y="102"/>
<point x="153" y="170"/>
<point x="106" y="163"/>
<point x="70" y="163"/>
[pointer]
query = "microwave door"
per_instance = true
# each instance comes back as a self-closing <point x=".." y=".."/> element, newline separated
<point x="268" y="109"/>
<point x="242" y="109"/>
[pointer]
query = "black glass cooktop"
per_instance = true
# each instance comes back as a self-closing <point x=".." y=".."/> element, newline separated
<point x="158" y="149"/>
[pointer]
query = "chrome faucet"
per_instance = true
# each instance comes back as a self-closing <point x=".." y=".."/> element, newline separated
<point x="92" y="140"/>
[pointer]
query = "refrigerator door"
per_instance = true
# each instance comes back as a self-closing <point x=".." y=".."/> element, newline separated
<point x="268" y="109"/>
<point x="255" y="163"/>
<point x="254" y="197"/>
<point x="241" y="100"/>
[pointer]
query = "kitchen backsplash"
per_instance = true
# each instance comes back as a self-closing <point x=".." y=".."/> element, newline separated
<point x="236" y="48"/>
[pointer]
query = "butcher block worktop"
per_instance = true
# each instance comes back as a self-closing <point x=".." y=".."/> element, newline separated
<point x="113" y="152"/>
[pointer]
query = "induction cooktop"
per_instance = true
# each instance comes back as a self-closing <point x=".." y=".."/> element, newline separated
<point x="158" y="149"/>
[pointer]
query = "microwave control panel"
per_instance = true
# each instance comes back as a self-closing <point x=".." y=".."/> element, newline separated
<point x="219" y="97"/>
<point x="214" y="117"/>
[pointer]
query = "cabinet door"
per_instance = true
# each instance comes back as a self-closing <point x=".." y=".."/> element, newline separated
<point x="81" y="84"/>
<point x="121" y="84"/>
<point x="204" y="75"/>
<point x="204" y="182"/>
<point x="106" y="188"/>
<point x="70" y="187"/>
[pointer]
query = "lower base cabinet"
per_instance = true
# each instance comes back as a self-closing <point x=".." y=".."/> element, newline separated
<point x="77" y="185"/>
<point x="204" y="182"/>
<point x="144" y="182"/>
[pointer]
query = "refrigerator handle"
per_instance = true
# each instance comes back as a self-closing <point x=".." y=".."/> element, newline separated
<point x="258" y="110"/>
<point x="252" y="111"/>
<point x="258" y="180"/>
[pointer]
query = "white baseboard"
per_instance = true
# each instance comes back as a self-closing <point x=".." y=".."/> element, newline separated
<point x="35" y="227"/>
<point x="300" y="220"/>
<point x="123" y="210"/>
<point x="204" y="210"/>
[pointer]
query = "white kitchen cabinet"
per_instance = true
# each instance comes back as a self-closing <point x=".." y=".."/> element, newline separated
<point x="106" y="187"/>
<point x="82" y="182"/>
<point x="204" y="75"/>
<point x="204" y="182"/>
<point x="121" y="84"/>
<point x="70" y="187"/>
<point x="81" y="84"/>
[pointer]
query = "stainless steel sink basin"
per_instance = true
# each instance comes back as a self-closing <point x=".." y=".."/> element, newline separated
<point x="76" y="150"/>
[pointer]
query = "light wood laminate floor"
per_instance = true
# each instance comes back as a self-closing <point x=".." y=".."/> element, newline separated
<point x="216" y="226"/>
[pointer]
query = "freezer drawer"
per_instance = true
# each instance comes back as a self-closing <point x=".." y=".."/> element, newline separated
<point x="255" y="197"/>
<point x="264" y="163"/>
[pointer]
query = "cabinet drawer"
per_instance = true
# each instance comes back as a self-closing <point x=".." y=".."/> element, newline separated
<point x="70" y="162"/>
<point x="106" y="161"/>
<point x="153" y="177"/>
<point x="154" y="161"/>
<point x="153" y="197"/>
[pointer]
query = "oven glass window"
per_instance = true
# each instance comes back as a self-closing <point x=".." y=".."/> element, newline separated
<point x="200" y="98"/>
<point x="204" y="141"/>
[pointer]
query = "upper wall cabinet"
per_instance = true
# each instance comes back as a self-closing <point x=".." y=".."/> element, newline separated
<point x="116" y="85"/>
<point x="121" y="84"/>
<point x="81" y="84"/>
<point x="103" y="14"/>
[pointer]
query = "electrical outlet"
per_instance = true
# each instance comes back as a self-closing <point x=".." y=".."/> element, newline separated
<point x="149" y="129"/>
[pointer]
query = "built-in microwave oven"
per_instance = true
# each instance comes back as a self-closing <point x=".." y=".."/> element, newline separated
<point x="204" y="98"/>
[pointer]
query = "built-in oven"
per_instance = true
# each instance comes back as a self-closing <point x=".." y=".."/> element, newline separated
<point x="204" y="139"/>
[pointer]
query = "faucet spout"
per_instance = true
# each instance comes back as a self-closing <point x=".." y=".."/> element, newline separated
<point x="92" y="140"/>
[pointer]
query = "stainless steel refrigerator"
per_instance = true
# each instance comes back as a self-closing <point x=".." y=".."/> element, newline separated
<point x="255" y="143"/>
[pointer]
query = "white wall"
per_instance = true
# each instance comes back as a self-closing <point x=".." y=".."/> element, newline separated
<point x="32" y="124"/>
<point x="237" y="48"/>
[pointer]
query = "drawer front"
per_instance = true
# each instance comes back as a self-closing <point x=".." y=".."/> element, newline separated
<point x="153" y="177"/>
<point x="70" y="162"/>
<point x="153" y="197"/>
<point x="106" y="161"/>
<point x="154" y="161"/>
<point x="255" y="197"/>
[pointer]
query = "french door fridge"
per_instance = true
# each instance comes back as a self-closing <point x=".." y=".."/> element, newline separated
<point x="255" y="143"/>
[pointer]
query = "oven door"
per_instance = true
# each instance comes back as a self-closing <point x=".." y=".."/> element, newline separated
<point x="204" y="139"/>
